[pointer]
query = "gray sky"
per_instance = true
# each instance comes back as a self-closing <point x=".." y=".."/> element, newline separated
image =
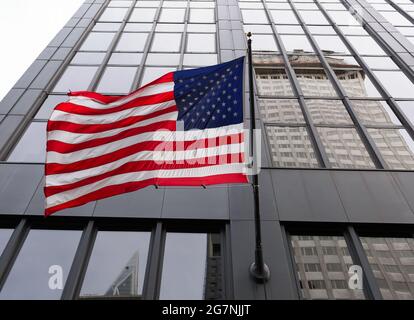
<point x="26" y="27"/>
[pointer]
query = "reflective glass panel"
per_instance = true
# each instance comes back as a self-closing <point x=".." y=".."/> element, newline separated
<point x="113" y="14"/>
<point x="202" y="15"/>
<point x="254" y="16"/>
<point x="344" y="148"/>
<point x="152" y="73"/>
<point x="192" y="267"/>
<point x="392" y="262"/>
<point x="328" y="111"/>
<point x="273" y="82"/>
<point x="356" y="83"/>
<point x="375" y="112"/>
<point x="48" y="105"/>
<point x="97" y="41"/>
<point x="408" y="108"/>
<point x="143" y="15"/>
<point x="117" y="265"/>
<point x="75" y="78"/>
<point x="117" y="80"/>
<point x="366" y="45"/>
<point x="166" y="42"/>
<point x="291" y="147"/>
<point x="397" y="83"/>
<point x="172" y="15"/>
<point x="125" y="58"/>
<point x="163" y="59"/>
<point x="46" y="256"/>
<point x="32" y="145"/>
<point x="132" y="42"/>
<point x="396" y="147"/>
<point x="322" y="265"/>
<point x="281" y="111"/>
<point x="296" y="43"/>
<point x="88" y="58"/>
<point x="200" y="59"/>
<point x="204" y="42"/>
<point x="283" y="17"/>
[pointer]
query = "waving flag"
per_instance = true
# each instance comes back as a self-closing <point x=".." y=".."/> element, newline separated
<point x="183" y="129"/>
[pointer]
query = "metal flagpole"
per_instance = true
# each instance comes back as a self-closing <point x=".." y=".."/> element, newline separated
<point x="258" y="269"/>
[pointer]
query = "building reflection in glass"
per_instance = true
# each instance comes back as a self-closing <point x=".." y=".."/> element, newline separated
<point x="289" y="141"/>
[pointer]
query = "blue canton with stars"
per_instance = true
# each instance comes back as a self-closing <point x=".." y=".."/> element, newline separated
<point x="210" y="97"/>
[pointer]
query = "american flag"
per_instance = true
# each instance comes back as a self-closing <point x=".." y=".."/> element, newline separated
<point x="183" y="129"/>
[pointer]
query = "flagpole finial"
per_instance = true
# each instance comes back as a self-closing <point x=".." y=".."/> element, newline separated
<point x="249" y="34"/>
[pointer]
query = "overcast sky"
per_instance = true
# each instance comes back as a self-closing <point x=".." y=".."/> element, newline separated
<point x="26" y="27"/>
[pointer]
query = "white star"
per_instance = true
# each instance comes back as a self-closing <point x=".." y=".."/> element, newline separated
<point x="235" y="77"/>
<point x="213" y="118"/>
<point x="235" y="114"/>
<point x="192" y="79"/>
<point x="228" y="109"/>
<point x="224" y="116"/>
<point x="203" y="119"/>
<point x="235" y="90"/>
<point x="235" y="102"/>
<point x="223" y="104"/>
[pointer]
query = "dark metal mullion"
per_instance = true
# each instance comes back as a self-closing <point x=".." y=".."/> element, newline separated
<point x="370" y="286"/>
<point x="320" y="152"/>
<point x="184" y="36"/>
<point x="80" y="262"/>
<point x="153" y="274"/>
<point x="363" y="133"/>
<point x="12" y="249"/>
<point x="140" y="71"/>
<point x="98" y="74"/>
<point x="383" y="91"/>
<point x="406" y="69"/>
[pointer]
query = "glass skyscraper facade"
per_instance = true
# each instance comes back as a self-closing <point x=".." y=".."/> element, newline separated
<point x="334" y="96"/>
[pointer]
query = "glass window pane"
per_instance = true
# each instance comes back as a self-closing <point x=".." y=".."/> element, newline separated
<point x="204" y="42"/>
<point x="143" y="15"/>
<point x="291" y="147"/>
<point x="396" y="83"/>
<point x="353" y="30"/>
<point x="32" y="145"/>
<point x="202" y="15"/>
<point x="375" y="112"/>
<point x="48" y="105"/>
<point x="169" y="27"/>
<point x="366" y="45"/>
<point x="152" y="73"/>
<point x="120" y="3"/>
<point x="174" y="4"/>
<point x="117" y="80"/>
<point x="200" y="59"/>
<point x="345" y="148"/>
<point x="254" y="16"/>
<point x="396" y="19"/>
<point x="166" y="42"/>
<point x="284" y="17"/>
<point x="106" y="26"/>
<point x="200" y="28"/>
<point x="152" y="3"/>
<point x="117" y="265"/>
<point x="137" y="27"/>
<point x="281" y="110"/>
<point x="132" y="42"/>
<point x="380" y="63"/>
<point x="4" y="238"/>
<point x="296" y="43"/>
<point x="191" y="267"/>
<point x="75" y="78"/>
<point x="113" y="14"/>
<point x="97" y="41"/>
<point x="160" y="59"/>
<point x="332" y="44"/>
<point x="322" y="264"/>
<point x="273" y="82"/>
<point x="321" y="30"/>
<point x="343" y="18"/>
<point x="356" y="83"/>
<point x="88" y="58"/>
<point x="396" y="147"/>
<point x="313" y="17"/>
<point x="44" y="253"/>
<point x="315" y="82"/>
<point x="328" y="112"/>
<point x="392" y="262"/>
<point x="264" y="42"/>
<point x="125" y="58"/>
<point x="172" y="15"/>
<point x="408" y="108"/>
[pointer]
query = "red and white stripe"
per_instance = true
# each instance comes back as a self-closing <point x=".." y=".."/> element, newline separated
<point x="100" y="146"/>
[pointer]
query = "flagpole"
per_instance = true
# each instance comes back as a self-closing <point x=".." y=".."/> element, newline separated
<point x="258" y="269"/>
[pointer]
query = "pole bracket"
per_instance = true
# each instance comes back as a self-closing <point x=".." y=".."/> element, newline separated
<point x="260" y="276"/>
